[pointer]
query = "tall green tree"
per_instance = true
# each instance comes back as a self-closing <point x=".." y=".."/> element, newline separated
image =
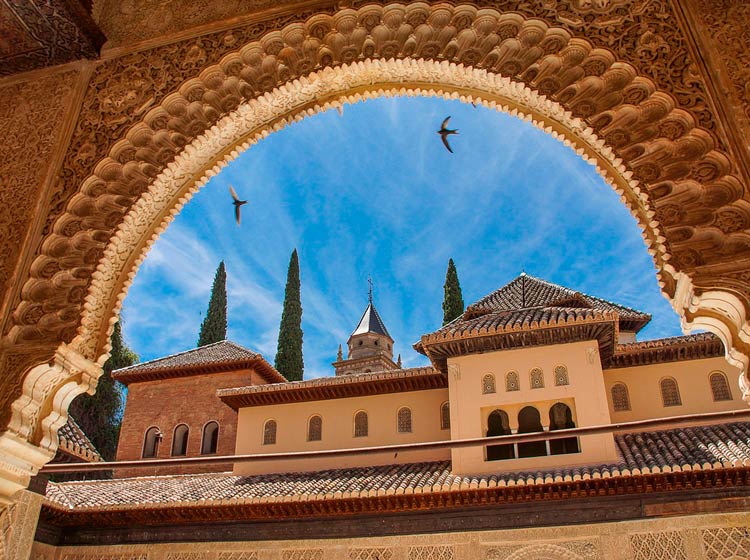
<point x="214" y="326"/>
<point x="453" y="301"/>
<point x="99" y="415"/>
<point x="289" y="353"/>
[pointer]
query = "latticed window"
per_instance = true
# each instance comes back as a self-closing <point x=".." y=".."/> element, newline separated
<point x="269" y="432"/>
<point x="536" y="378"/>
<point x="620" y="397"/>
<point x="404" y="420"/>
<point x="720" y="387"/>
<point x="488" y="384"/>
<point x="360" y="424"/>
<point x="670" y="393"/>
<point x="445" y="416"/>
<point x="561" y="376"/>
<point x="315" y="429"/>
<point x="511" y="381"/>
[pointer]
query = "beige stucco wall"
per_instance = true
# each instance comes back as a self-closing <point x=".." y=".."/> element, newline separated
<point x="338" y="430"/>
<point x="693" y="537"/>
<point x="584" y="395"/>
<point x="692" y="379"/>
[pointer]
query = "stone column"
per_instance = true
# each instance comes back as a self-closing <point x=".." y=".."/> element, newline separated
<point x="18" y="524"/>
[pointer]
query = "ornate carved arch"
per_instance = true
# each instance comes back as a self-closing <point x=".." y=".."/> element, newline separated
<point x="678" y="184"/>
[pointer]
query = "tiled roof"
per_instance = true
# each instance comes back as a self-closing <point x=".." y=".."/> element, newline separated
<point x="212" y="356"/>
<point x="371" y="323"/>
<point x="672" y="349"/>
<point x="74" y="442"/>
<point x="526" y="292"/>
<point x="352" y="385"/>
<point x="684" y="449"/>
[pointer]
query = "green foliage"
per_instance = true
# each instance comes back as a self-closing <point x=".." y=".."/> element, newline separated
<point x="289" y="353"/>
<point x="453" y="301"/>
<point x="214" y="326"/>
<point x="100" y="415"/>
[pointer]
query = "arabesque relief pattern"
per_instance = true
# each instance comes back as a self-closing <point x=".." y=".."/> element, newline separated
<point x="630" y="84"/>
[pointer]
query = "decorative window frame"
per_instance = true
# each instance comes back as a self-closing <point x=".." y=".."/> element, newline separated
<point x="489" y="385"/>
<point x="536" y="378"/>
<point x="628" y="406"/>
<point x="510" y="378"/>
<point x="265" y="440"/>
<point x="366" y="426"/>
<point x="726" y="387"/>
<point x="562" y="378"/>
<point x="309" y="428"/>
<point x="445" y="416"/>
<point x="676" y="388"/>
<point x="401" y="427"/>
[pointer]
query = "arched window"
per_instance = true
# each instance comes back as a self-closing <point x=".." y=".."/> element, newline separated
<point x="561" y="376"/>
<point x="315" y="428"/>
<point x="511" y="381"/>
<point x="210" y="441"/>
<point x="151" y="443"/>
<point x="360" y="424"/>
<point x="536" y="378"/>
<point x="269" y="432"/>
<point x="445" y="416"/>
<point x="561" y="418"/>
<point x="180" y="441"/>
<point x="720" y="387"/>
<point x="498" y="424"/>
<point x="488" y="384"/>
<point x="529" y="421"/>
<point x="620" y="397"/>
<point x="670" y="393"/>
<point x="404" y="420"/>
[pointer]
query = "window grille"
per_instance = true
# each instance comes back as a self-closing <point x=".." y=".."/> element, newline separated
<point x="670" y="393"/>
<point x="620" y="397"/>
<point x="536" y="378"/>
<point x="269" y="432"/>
<point x="315" y="429"/>
<point x="511" y="381"/>
<point x="360" y="424"/>
<point x="720" y="387"/>
<point x="404" y="420"/>
<point x="561" y="376"/>
<point x="488" y="384"/>
<point x="445" y="416"/>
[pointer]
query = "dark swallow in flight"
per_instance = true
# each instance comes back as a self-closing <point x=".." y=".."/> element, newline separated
<point x="237" y="203"/>
<point x="445" y="132"/>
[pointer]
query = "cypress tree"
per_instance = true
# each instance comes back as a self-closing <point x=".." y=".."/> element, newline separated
<point x="453" y="301"/>
<point x="214" y="326"/>
<point x="99" y="415"/>
<point x="289" y="353"/>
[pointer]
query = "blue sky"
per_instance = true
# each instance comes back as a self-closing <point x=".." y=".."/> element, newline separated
<point x="373" y="191"/>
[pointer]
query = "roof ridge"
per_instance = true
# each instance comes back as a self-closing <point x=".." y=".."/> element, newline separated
<point x="225" y="341"/>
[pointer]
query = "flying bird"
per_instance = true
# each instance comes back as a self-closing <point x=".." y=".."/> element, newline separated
<point x="445" y="132"/>
<point x="237" y="203"/>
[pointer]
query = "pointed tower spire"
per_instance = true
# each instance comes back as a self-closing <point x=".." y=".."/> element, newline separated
<point x="398" y="361"/>
<point x="340" y="354"/>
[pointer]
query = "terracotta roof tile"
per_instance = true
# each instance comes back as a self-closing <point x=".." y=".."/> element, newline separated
<point x="661" y="350"/>
<point x="75" y="442"/>
<point x="696" y="448"/>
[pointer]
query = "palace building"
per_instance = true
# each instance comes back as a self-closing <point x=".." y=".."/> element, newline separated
<point x="531" y="358"/>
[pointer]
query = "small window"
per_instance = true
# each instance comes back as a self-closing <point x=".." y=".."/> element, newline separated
<point x="210" y="441"/>
<point x="670" y="393"/>
<point x="720" y="387"/>
<point x="315" y="428"/>
<point x="360" y="424"/>
<point x="488" y="384"/>
<point x="620" y="397"/>
<point x="180" y="441"/>
<point x="151" y="443"/>
<point x="561" y="376"/>
<point x="269" y="432"/>
<point x="445" y="416"/>
<point x="376" y="343"/>
<point x="536" y="378"/>
<point x="511" y="381"/>
<point x="404" y="420"/>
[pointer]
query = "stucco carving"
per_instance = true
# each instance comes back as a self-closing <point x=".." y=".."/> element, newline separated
<point x="152" y="121"/>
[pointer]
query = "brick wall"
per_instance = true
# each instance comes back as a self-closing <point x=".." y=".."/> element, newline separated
<point x="166" y="403"/>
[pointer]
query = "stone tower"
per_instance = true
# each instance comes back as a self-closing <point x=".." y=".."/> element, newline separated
<point x="370" y="346"/>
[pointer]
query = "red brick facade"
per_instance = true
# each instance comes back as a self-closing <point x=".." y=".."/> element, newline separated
<point x="166" y="403"/>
